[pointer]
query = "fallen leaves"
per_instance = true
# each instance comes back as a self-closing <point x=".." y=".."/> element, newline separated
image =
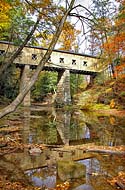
<point x="9" y="145"/>
<point x="119" y="180"/>
<point x="61" y="186"/>
<point x="5" y="184"/>
<point x="8" y="185"/>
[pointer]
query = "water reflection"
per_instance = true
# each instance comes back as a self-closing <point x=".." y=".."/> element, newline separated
<point x="57" y="127"/>
<point x="68" y="128"/>
<point x="92" y="176"/>
<point x="51" y="126"/>
<point x="43" y="177"/>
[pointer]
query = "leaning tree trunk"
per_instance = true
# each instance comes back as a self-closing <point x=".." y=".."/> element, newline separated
<point x="12" y="107"/>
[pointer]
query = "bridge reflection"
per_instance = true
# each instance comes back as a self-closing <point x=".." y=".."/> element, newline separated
<point x="58" y="127"/>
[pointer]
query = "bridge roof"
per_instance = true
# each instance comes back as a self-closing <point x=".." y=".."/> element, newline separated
<point x="56" y="50"/>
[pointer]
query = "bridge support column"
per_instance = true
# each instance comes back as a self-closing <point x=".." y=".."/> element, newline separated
<point x="63" y="96"/>
<point x="92" y="77"/>
<point x="25" y="77"/>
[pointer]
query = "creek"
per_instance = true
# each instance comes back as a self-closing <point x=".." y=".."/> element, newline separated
<point x="57" y="129"/>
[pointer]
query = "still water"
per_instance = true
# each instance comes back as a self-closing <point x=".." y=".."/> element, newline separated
<point x="58" y="128"/>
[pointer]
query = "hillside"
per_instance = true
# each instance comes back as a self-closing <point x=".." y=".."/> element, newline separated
<point x="103" y="95"/>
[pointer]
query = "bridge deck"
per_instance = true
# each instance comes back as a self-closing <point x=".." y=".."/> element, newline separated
<point x="59" y="60"/>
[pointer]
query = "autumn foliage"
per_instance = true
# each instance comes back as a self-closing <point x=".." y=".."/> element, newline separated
<point x="114" y="47"/>
<point x="4" y="15"/>
<point x="68" y="37"/>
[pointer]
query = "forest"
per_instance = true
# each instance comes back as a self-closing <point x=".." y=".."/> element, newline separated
<point x="94" y="28"/>
<point x="102" y="30"/>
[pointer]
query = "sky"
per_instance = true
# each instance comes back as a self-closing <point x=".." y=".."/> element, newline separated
<point x="78" y="25"/>
<point x="83" y="43"/>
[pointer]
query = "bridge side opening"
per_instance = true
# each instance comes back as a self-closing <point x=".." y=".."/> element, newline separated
<point x="73" y="62"/>
<point x="84" y="63"/>
<point x="61" y="60"/>
<point x="34" y="56"/>
<point x="2" y="52"/>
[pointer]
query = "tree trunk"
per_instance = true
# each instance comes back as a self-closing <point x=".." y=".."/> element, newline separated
<point x="12" y="107"/>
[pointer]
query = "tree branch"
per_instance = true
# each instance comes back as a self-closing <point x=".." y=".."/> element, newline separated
<point x="81" y="6"/>
<point x="82" y="17"/>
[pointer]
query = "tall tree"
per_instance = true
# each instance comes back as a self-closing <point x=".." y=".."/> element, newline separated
<point x="116" y="41"/>
<point x="103" y="11"/>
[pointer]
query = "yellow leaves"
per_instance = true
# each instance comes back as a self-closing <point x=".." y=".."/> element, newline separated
<point x="104" y="23"/>
<point x="64" y="186"/>
<point x="67" y="39"/>
<point x="6" y="184"/>
<point x="112" y="104"/>
<point x="68" y="36"/>
<point x="4" y="6"/>
<point x="4" y="14"/>
<point x="112" y="120"/>
<point x="45" y="39"/>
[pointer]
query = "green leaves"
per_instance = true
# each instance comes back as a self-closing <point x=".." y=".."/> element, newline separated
<point x="44" y="85"/>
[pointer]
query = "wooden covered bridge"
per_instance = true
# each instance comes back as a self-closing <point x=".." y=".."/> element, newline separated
<point x="63" y="62"/>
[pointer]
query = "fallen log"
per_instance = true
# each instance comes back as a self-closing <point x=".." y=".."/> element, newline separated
<point x="5" y="131"/>
<point x="105" y="151"/>
<point x="120" y="150"/>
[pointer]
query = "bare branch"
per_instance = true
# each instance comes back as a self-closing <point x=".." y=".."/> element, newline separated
<point x="82" y="17"/>
<point x="81" y="6"/>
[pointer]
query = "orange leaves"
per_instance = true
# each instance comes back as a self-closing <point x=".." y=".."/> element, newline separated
<point x="120" y="70"/>
<point x="113" y="37"/>
<point x="120" y="67"/>
<point x="4" y="7"/>
<point x="110" y="45"/>
<point x="119" y="180"/>
<point x="39" y="6"/>
<point x="114" y="46"/>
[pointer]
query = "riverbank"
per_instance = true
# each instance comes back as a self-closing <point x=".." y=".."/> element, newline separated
<point x="107" y="96"/>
